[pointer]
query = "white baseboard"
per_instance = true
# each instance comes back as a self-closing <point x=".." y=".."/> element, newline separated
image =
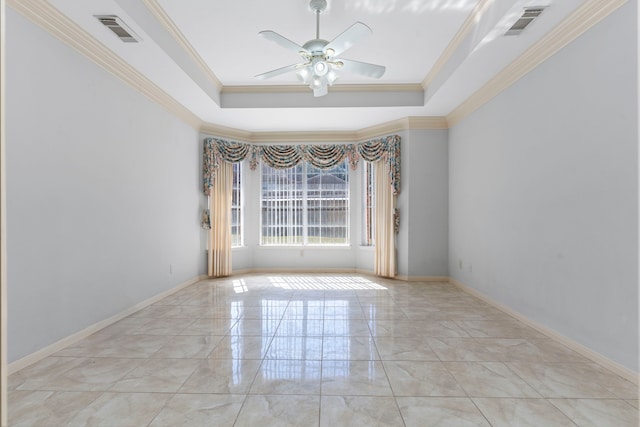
<point x="72" y="339"/>
<point x="405" y="278"/>
<point x="575" y="346"/>
<point x="240" y="272"/>
<point x="444" y="279"/>
<point x="604" y="361"/>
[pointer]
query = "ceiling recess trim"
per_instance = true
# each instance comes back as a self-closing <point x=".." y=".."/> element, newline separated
<point x="406" y="123"/>
<point x="162" y="17"/>
<point x="334" y="88"/>
<point x="583" y="18"/>
<point x="457" y="40"/>
<point x="51" y="19"/>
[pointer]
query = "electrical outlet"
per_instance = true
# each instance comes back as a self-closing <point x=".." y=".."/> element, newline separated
<point x="470" y="267"/>
<point x="170" y="269"/>
<point x="460" y="263"/>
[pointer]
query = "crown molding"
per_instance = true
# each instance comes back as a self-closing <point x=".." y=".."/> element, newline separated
<point x="466" y="27"/>
<point x="406" y="123"/>
<point x="583" y="18"/>
<point x="51" y="19"/>
<point x="304" y="137"/>
<point x="162" y="17"/>
<point x="278" y="137"/>
<point x="384" y="129"/>
<point x="428" y="122"/>
<point x="225" y="132"/>
<point x="336" y="88"/>
<point x="43" y="14"/>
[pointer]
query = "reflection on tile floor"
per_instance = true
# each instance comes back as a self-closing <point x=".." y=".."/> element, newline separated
<point x="311" y="350"/>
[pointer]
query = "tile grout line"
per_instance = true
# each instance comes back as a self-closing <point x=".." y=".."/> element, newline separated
<point x="324" y="307"/>
<point x="458" y="383"/>
<point x="369" y="322"/>
<point x="384" y="368"/>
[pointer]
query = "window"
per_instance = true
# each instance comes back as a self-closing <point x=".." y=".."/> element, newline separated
<point x="304" y="205"/>
<point x="236" y="207"/>
<point x="368" y="204"/>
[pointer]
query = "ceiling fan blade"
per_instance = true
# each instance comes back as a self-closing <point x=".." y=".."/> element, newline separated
<point x="348" y="38"/>
<point x="277" y="72"/>
<point x="282" y="41"/>
<point x="363" y="68"/>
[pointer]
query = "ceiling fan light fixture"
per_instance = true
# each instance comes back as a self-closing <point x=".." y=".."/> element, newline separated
<point x="321" y="91"/>
<point x="304" y="74"/>
<point x="316" y="82"/>
<point x="320" y="68"/>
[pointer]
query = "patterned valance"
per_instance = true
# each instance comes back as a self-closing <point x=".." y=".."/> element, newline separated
<point x="287" y="156"/>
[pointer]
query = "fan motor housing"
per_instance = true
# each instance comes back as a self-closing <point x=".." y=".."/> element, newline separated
<point x="315" y="46"/>
<point x="318" y="6"/>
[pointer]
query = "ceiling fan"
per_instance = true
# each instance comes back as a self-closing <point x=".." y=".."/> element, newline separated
<point x="321" y="61"/>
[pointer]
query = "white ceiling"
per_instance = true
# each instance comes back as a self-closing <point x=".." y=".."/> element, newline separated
<point x="212" y="72"/>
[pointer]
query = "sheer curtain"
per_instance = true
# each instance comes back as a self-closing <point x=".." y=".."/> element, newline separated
<point x="219" y="255"/>
<point x="385" y="252"/>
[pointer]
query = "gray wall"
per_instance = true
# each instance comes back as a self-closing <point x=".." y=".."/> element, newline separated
<point x="422" y="245"/>
<point x="425" y="187"/>
<point x="103" y="193"/>
<point x="544" y="192"/>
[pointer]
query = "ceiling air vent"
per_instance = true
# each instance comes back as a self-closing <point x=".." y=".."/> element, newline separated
<point x="529" y="14"/>
<point x="119" y="28"/>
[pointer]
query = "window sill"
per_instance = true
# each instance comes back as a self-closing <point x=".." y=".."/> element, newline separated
<point x="305" y="247"/>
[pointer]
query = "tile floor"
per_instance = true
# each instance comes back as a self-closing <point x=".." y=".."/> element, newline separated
<point x="319" y="350"/>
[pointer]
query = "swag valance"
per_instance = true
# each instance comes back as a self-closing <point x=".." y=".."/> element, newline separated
<point x="287" y="156"/>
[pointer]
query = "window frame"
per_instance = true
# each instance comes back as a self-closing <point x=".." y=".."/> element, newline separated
<point x="238" y="177"/>
<point x="368" y="205"/>
<point x="303" y="214"/>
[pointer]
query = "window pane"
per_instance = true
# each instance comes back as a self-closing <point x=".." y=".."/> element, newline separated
<point x="236" y="206"/>
<point x="305" y="205"/>
<point x="368" y="205"/>
<point x="282" y="205"/>
<point x="328" y="205"/>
